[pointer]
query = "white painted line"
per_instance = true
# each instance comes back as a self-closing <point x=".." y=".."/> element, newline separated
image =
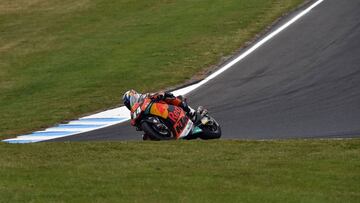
<point x="55" y="129"/>
<point x="121" y="114"/>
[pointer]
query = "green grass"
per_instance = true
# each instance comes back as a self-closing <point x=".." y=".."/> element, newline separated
<point x="214" y="171"/>
<point x="60" y="59"/>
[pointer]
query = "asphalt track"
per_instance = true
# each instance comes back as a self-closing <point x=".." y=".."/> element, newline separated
<point x="304" y="83"/>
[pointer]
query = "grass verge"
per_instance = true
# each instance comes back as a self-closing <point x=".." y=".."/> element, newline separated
<point x="60" y="59"/>
<point x="215" y="171"/>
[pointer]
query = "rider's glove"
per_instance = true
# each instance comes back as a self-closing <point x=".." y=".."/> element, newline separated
<point x="168" y="95"/>
<point x="157" y="97"/>
<point x="162" y="95"/>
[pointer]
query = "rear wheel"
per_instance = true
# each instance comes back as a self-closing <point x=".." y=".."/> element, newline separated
<point x="157" y="131"/>
<point x="210" y="131"/>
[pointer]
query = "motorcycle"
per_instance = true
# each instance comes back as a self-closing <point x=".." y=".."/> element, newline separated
<point x="161" y="121"/>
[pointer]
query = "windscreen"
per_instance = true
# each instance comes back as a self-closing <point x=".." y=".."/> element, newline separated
<point x="135" y="98"/>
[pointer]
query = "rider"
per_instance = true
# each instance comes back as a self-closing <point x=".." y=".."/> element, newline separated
<point x="131" y="97"/>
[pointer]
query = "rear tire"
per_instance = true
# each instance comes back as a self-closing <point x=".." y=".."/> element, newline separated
<point x="211" y="131"/>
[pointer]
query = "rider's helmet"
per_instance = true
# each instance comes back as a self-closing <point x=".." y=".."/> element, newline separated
<point x="130" y="97"/>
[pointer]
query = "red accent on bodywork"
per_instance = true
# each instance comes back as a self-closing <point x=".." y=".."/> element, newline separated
<point x="161" y="107"/>
<point x="145" y="104"/>
<point x="136" y="105"/>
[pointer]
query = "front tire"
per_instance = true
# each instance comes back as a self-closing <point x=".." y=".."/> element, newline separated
<point x="154" y="133"/>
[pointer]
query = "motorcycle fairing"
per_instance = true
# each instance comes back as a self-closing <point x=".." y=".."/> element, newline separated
<point x="196" y="130"/>
<point x="186" y="130"/>
<point x="160" y="109"/>
<point x="138" y="108"/>
<point x="173" y="115"/>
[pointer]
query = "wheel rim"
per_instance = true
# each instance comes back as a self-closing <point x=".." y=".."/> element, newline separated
<point x="213" y="127"/>
<point x="162" y="129"/>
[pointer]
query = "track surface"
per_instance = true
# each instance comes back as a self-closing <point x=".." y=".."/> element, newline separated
<point x="303" y="83"/>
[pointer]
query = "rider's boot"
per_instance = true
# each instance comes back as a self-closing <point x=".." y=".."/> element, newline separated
<point x="202" y="111"/>
<point x="192" y="114"/>
<point x="189" y="111"/>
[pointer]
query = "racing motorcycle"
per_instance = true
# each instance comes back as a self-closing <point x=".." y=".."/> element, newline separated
<point x="161" y="121"/>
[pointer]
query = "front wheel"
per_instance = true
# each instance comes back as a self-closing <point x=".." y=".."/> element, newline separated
<point x="157" y="131"/>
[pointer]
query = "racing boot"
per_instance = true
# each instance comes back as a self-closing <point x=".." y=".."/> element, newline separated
<point x="202" y="111"/>
<point x="189" y="111"/>
<point x="192" y="114"/>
